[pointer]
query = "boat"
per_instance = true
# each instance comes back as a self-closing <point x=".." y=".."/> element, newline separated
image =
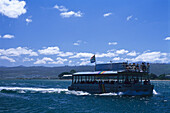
<point x="113" y="80"/>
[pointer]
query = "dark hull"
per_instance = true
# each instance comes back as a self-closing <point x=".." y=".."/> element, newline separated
<point x="127" y="89"/>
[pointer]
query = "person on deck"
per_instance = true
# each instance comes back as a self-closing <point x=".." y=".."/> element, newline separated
<point x="134" y="67"/>
<point x="127" y="67"/>
<point x="148" y="67"/>
<point x="143" y="66"/>
<point x="137" y="68"/>
<point x="130" y="67"/>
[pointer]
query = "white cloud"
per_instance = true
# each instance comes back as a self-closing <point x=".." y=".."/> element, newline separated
<point x="7" y="58"/>
<point x="129" y="17"/>
<point x="66" y="14"/>
<point x="112" y="50"/>
<point x="44" y="60"/>
<point x="70" y="61"/>
<point x="60" y="8"/>
<point x="84" y="61"/>
<point x="167" y="38"/>
<point x="54" y="51"/>
<point x="28" y="20"/>
<point x="18" y="51"/>
<point x="112" y="43"/>
<point x="71" y="13"/>
<point x="50" y="51"/>
<point x="122" y="51"/>
<point x="7" y="36"/>
<point x="80" y="55"/>
<point x="12" y="8"/>
<point x="156" y="57"/>
<point x="78" y="42"/>
<point x="62" y="54"/>
<point x="59" y="61"/>
<point x="109" y="54"/>
<point x="39" y="61"/>
<point x="48" y="60"/>
<point x="55" y="62"/>
<point x="27" y="59"/>
<point x="107" y="14"/>
<point x="117" y="58"/>
<point x="100" y="55"/>
<point x="133" y="53"/>
<point x="100" y="62"/>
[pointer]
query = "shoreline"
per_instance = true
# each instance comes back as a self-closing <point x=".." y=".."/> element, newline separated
<point x="160" y="80"/>
<point x="59" y="79"/>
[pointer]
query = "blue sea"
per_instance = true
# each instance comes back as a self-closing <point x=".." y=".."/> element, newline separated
<point x="52" y="96"/>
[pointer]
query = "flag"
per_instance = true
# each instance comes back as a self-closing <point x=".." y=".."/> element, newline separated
<point x="92" y="59"/>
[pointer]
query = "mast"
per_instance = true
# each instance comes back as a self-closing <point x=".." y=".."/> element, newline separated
<point x="95" y="63"/>
<point x="111" y="65"/>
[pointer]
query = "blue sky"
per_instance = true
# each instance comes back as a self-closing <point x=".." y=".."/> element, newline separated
<point x="69" y="32"/>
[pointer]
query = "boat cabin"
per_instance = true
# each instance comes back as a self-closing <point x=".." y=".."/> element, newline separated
<point x="111" y="77"/>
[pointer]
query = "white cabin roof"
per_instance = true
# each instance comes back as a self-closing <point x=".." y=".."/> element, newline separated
<point x="67" y="75"/>
<point x="97" y="72"/>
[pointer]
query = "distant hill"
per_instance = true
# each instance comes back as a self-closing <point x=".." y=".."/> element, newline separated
<point x="158" y="68"/>
<point x="38" y="71"/>
<point x="53" y="72"/>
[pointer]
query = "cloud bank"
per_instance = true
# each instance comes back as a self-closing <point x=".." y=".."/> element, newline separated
<point x="54" y="56"/>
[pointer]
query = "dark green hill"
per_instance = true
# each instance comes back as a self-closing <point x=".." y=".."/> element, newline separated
<point x="160" y="69"/>
<point x="38" y="71"/>
<point x="53" y="72"/>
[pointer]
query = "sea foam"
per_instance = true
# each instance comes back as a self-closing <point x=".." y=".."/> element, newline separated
<point x="66" y="91"/>
<point x="42" y="90"/>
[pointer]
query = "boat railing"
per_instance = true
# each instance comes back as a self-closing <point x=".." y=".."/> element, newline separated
<point x="146" y="82"/>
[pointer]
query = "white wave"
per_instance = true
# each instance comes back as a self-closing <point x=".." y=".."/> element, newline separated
<point x="66" y="91"/>
<point x="107" y="94"/>
<point x="13" y="83"/>
<point x="128" y="93"/>
<point x="78" y="93"/>
<point x="43" y="90"/>
<point x="49" y="90"/>
<point x="154" y="92"/>
<point x="22" y="91"/>
<point x="110" y="94"/>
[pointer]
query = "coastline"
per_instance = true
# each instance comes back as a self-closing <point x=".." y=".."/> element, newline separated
<point x="53" y="79"/>
<point x="160" y="80"/>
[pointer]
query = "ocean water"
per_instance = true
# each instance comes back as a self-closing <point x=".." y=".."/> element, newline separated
<point x="52" y="96"/>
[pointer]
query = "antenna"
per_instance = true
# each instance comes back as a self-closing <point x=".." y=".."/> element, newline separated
<point x="111" y="65"/>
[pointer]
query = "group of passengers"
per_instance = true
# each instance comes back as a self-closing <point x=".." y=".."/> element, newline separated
<point x="136" y="67"/>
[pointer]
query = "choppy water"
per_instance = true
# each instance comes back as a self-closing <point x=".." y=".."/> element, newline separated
<point x="48" y="96"/>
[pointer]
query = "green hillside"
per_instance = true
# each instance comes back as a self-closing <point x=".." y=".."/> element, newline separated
<point x="53" y="72"/>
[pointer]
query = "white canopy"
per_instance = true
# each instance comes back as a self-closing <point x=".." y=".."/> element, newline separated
<point x="97" y="72"/>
